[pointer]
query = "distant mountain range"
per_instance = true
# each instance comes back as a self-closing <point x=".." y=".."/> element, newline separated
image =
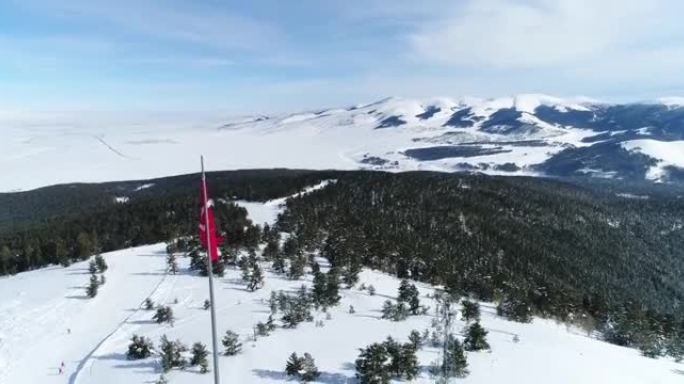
<point x="522" y="135"/>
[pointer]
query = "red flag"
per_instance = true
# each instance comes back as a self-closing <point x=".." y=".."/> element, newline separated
<point x="206" y="208"/>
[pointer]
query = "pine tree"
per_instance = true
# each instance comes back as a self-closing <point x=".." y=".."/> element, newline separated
<point x="199" y="357"/>
<point x="371" y="365"/>
<point x="149" y="304"/>
<point x="102" y="280"/>
<point x="257" y="279"/>
<point x="140" y="348"/>
<point x="164" y="315"/>
<point x="371" y="290"/>
<point x="172" y="354"/>
<point x="162" y="380"/>
<point x="332" y="288"/>
<point x="319" y="289"/>
<point x="416" y="339"/>
<point x="408" y="294"/>
<point x="100" y="263"/>
<point x="207" y="304"/>
<point x="91" y="290"/>
<point x="309" y="369"/>
<point x="294" y="365"/>
<point x="297" y="264"/>
<point x="455" y="362"/>
<point x="476" y="338"/>
<point x="470" y="311"/>
<point x="92" y="267"/>
<point x="278" y="265"/>
<point x="231" y="343"/>
<point x="172" y="263"/>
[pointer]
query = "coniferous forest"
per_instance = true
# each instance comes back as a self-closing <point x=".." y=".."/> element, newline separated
<point x="604" y="255"/>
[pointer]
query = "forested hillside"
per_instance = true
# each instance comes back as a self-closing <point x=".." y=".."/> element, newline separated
<point x="606" y="254"/>
<point x="60" y="224"/>
<point x="561" y="250"/>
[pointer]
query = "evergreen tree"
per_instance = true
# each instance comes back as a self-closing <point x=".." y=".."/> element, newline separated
<point x="515" y="309"/>
<point x="149" y="304"/>
<point x="470" y="311"/>
<point x="140" y="348"/>
<point x="371" y="290"/>
<point x="271" y="250"/>
<point x="231" y="343"/>
<point x="309" y="369"/>
<point x="100" y="263"/>
<point x="415" y="339"/>
<point x="455" y="363"/>
<point x="332" y="288"/>
<point x="172" y="354"/>
<point x="476" y="338"/>
<point x="319" y="289"/>
<point x="199" y="357"/>
<point x="371" y="365"/>
<point x="164" y="315"/>
<point x="297" y="264"/>
<point x="207" y="304"/>
<point x="256" y="278"/>
<point x="91" y="289"/>
<point x="102" y="280"/>
<point x="172" y="263"/>
<point x="162" y="380"/>
<point x="408" y="294"/>
<point x="92" y="267"/>
<point x="278" y="264"/>
<point x="294" y="365"/>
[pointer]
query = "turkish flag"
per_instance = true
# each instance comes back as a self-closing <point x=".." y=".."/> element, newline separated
<point x="206" y="210"/>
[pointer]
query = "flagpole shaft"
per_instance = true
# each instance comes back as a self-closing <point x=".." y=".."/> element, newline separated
<point x="214" y="342"/>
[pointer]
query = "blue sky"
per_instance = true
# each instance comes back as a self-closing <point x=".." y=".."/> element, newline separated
<point x="275" y="55"/>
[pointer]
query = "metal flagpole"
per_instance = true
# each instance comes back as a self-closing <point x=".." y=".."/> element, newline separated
<point x="217" y="380"/>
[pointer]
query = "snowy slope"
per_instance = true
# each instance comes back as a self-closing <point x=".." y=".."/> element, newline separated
<point x="38" y="307"/>
<point x="443" y="134"/>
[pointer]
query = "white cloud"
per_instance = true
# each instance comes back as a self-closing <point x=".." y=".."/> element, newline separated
<point x="543" y="33"/>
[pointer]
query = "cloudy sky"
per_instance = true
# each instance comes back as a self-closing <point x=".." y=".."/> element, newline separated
<point x="275" y="55"/>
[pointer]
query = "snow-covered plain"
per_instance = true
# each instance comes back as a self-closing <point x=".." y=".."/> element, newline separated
<point x="52" y="150"/>
<point x="45" y="319"/>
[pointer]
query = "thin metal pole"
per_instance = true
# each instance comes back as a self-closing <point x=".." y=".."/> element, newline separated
<point x="214" y="342"/>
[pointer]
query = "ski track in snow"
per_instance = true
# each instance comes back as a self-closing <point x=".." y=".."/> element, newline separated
<point x="73" y="379"/>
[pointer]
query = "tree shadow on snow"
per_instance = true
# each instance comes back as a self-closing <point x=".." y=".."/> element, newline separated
<point x="77" y="297"/>
<point x="325" y="377"/>
<point x="145" y="366"/>
<point x="162" y="273"/>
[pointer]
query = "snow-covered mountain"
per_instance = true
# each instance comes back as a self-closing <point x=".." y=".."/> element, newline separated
<point x="521" y="135"/>
<point x="47" y="320"/>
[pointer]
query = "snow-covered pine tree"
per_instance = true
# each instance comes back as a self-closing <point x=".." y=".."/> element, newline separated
<point x="91" y="289"/>
<point x="100" y="263"/>
<point x="256" y="278"/>
<point x="476" y="338"/>
<point x="470" y="310"/>
<point x="309" y="369"/>
<point x="92" y="267"/>
<point x="164" y="315"/>
<point x="454" y="363"/>
<point x="149" y="304"/>
<point x="231" y="343"/>
<point x="199" y="357"/>
<point x="294" y="365"/>
<point x="415" y="339"/>
<point x="172" y="354"/>
<point x="139" y="348"/>
<point x="371" y="365"/>
<point x="172" y="263"/>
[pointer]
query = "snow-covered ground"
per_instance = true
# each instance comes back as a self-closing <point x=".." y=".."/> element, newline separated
<point x="57" y="149"/>
<point x="671" y="153"/>
<point x="38" y="308"/>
